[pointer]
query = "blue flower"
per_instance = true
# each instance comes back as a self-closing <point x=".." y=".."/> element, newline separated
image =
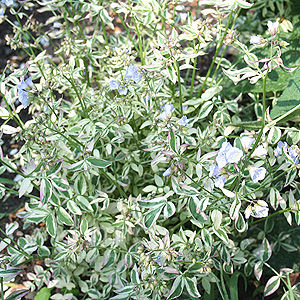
<point x="220" y="182"/>
<point x="261" y="209"/>
<point x="132" y="73"/>
<point x="257" y="174"/>
<point x="162" y="104"/>
<point x="7" y="2"/>
<point x="234" y="155"/>
<point x="167" y="113"/>
<point x="214" y="170"/>
<point x="228" y="154"/>
<point x="158" y="260"/>
<point x="114" y="84"/>
<point x="167" y="172"/>
<point x="22" y="93"/>
<point x="294" y="152"/>
<point x="136" y="77"/>
<point x="278" y="150"/>
<point x="122" y="90"/>
<point x="183" y="121"/>
<point x="221" y="157"/>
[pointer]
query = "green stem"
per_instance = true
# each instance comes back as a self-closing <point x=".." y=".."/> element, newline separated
<point x="288" y="285"/>
<point x="34" y="56"/>
<point x="270" y="216"/>
<point x="15" y="117"/>
<point x="201" y="187"/>
<point x="194" y="72"/>
<point x="179" y="87"/>
<point x="259" y="134"/>
<point x="272" y="180"/>
<point x="140" y="42"/>
<point x="115" y="183"/>
<point x="70" y="141"/>
<point x="223" y="283"/>
<point x="219" y="63"/>
<point x="17" y="193"/>
<point x="283" y="116"/>
<point x="290" y="288"/>
<point x="82" y="103"/>
<point x="216" y="54"/>
<point x="180" y="224"/>
<point x="128" y="33"/>
<point x="104" y="32"/>
<point x="12" y="168"/>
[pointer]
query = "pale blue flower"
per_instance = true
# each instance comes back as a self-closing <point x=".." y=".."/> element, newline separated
<point x="167" y="172"/>
<point x="22" y="92"/>
<point x="122" y="90"/>
<point x="158" y="260"/>
<point x="234" y="155"/>
<point x="114" y="84"/>
<point x="261" y="209"/>
<point x="7" y="2"/>
<point x="294" y="153"/>
<point x="167" y="113"/>
<point x="221" y="157"/>
<point x="183" y="121"/>
<point x="220" y="182"/>
<point x="255" y="40"/>
<point x="184" y="107"/>
<point x="162" y="104"/>
<point x="132" y="73"/>
<point x="136" y="77"/>
<point x="278" y="150"/>
<point x="257" y="174"/>
<point x="247" y="142"/>
<point x="214" y="170"/>
<point x="44" y="42"/>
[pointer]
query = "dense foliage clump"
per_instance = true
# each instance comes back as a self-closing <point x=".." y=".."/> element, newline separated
<point x="158" y="144"/>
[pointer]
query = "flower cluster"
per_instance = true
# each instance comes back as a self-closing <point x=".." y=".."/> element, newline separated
<point x="258" y="40"/>
<point x="292" y="151"/>
<point x="131" y="74"/>
<point x="228" y="154"/>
